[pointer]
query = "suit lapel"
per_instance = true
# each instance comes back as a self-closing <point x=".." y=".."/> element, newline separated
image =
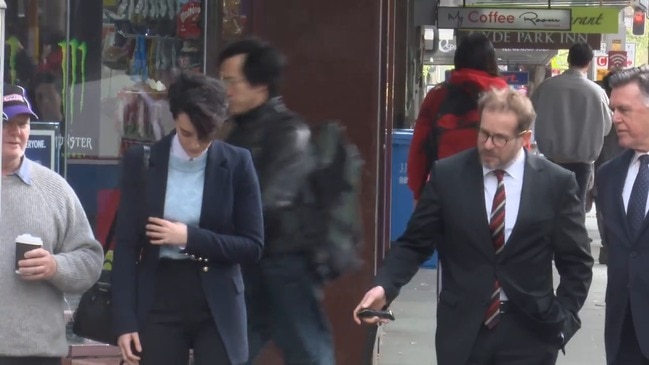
<point x="473" y="196"/>
<point x="217" y="175"/>
<point x="157" y="176"/>
<point x="617" y="184"/>
<point x="156" y="182"/>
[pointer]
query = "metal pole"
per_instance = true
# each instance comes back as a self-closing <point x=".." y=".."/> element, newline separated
<point x="3" y="8"/>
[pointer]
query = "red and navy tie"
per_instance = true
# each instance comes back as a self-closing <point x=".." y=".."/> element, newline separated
<point x="497" y="228"/>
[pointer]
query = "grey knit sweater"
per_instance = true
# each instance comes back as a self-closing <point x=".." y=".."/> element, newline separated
<point x="31" y="313"/>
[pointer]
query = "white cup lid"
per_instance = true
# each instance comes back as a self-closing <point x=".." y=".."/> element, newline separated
<point x="29" y="239"/>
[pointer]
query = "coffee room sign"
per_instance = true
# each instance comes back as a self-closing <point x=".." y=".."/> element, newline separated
<point x="533" y="19"/>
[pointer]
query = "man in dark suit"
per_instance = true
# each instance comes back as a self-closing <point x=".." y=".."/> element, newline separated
<point x="622" y="187"/>
<point x="498" y="217"/>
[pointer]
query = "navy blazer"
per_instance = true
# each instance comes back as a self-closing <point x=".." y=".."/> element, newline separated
<point x="628" y="258"/>
<point x="230" y="233"/>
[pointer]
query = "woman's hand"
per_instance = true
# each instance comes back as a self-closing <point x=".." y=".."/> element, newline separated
<point x="128" y="343"/>
<point x="164" y="232"/>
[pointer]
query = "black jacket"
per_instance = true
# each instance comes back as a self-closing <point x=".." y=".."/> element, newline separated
<point x="450" y="217"/>
<point x="278" y="140"/>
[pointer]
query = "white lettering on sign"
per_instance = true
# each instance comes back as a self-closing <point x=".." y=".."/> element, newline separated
<point x="80" y="142"/>
<point x="403" y="180"/>
<point x="40" y="144"/>
<point x="500" y="18"/>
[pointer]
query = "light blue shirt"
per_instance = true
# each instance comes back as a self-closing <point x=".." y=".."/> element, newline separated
<point x="24" y="172"/>
<point x="184" y="195"/>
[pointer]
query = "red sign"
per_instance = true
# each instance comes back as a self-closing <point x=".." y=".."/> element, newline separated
<point x="602" y="62"/>
<point x="616" y="59"/>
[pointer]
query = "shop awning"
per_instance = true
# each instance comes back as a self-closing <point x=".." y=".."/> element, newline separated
<point x="505" y="57"/>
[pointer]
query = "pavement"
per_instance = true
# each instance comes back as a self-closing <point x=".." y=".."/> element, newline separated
<point x="410" y="339"/>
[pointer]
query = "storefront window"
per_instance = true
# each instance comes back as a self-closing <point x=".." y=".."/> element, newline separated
<point x="97" y="73"/>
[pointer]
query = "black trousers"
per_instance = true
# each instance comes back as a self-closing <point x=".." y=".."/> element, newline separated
<point x="629" y="352"/>
<point x="180" y="320"/>
<point x="583" y="173"/>
<point x="511" y="342"/>
<point x="30" y="361"/>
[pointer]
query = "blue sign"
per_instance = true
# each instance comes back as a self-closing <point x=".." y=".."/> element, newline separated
<point x="516" y="77"/>
<point x="41" y="148"/>
<point x="44" y="145"/>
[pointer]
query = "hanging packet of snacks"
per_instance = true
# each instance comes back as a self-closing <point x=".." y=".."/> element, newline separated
<point x="189" y="19"/>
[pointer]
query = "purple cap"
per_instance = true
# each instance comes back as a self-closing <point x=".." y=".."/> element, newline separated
<point x="14" y="102"/>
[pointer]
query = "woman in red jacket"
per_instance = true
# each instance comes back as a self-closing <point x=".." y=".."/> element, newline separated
<point x="476" y="68"/>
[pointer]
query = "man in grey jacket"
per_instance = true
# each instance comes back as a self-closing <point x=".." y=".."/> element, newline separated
<point x="572" y="117"/>
<point x="39" y="202"/>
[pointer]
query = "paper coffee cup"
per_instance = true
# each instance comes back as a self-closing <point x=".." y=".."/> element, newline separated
<point x="25" y="243"/>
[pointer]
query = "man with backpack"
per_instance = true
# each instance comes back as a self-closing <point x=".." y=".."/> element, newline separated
<point x="283" y="292"/>
<point x="448" y="119"/>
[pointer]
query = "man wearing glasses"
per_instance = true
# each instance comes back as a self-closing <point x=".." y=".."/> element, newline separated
<point x="498" y="217"/>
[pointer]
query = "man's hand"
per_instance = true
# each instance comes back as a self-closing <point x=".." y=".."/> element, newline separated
<point x="127" y="343"/>
<point x="373" y="299"/>
<point x="38" y="264"/>
<point x="164" y="232"/>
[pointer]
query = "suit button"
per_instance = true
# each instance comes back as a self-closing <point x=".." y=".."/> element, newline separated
<point x="206" y="269"/>
<point x="633" y="254"/>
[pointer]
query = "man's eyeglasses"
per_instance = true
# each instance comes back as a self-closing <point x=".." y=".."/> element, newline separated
<point x="497" y="139"/>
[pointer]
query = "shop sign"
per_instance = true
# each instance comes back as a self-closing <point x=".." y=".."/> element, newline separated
<point x="541" y="40"/>
<point x="516" y="77"/>
<point x="42" y="146"/>
<point x="76" y="52"/>
<point x="504" y="18"/>
<point x="595" y="20"/>
<point x="616" y="59"/>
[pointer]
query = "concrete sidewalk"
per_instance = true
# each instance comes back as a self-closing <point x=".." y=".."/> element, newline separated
<point x="410" y="340"/>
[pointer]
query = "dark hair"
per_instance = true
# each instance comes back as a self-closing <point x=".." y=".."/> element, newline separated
<point x="203" y="99"/>
<point x="640" y="75"/>
<point x="580" y="55"/>
<point x="606" y="81"/>
<point x="263" y="64"/>
<point x="475" y="51"/>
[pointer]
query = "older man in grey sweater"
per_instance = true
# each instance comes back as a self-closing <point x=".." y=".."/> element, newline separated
<point x="572" y="117"/>
<point x="39" y="202"/>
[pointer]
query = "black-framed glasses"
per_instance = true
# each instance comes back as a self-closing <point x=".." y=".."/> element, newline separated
<point x="498" y="140"/>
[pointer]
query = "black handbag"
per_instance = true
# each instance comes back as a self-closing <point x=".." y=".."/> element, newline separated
<point x="93" y="317"/>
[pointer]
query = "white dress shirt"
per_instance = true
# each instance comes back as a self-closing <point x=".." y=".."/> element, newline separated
<point x="631" y="174"/>
<point x="513" y="180"/>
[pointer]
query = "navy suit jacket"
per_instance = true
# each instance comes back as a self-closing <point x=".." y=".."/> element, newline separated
<point x="230" y="233"/>
<point x="628" y="259"/>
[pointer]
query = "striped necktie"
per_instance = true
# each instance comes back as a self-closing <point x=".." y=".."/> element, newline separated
<point x="497" y="228"/>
